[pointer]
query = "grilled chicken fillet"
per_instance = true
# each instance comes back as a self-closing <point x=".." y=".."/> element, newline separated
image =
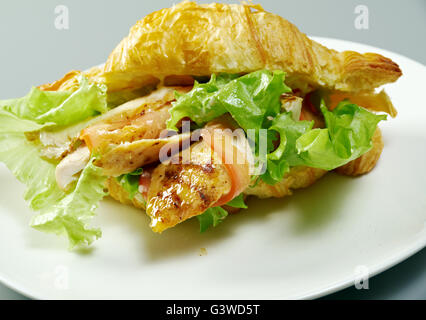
<point x="129" y="136"/>
<point x="181" y="191"/>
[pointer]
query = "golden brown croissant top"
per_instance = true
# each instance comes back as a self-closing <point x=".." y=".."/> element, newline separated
<point x="198" y="40"/>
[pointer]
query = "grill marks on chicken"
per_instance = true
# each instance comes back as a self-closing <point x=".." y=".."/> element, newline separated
<point x="129" y="136"/>
<point x="146" y="124"/>
<point x="186" y="189"/>
<point x="208" y="174"/>
<point x="142" y="118"/>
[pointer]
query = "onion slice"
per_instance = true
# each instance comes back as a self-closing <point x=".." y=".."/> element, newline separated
<point x="145" y="182"/>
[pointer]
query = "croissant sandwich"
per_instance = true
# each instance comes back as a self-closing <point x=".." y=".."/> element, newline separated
<point x="198" y="108"/>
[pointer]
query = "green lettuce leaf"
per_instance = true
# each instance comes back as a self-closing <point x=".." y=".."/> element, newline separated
<point x="249" y="99"/>
<point x="237" y="202"/>
<point x="54" y="108"/>
<point x="199" y="104"/>
<point x="347" y="136"/>
<point x="215" y="215"/>
<point x="285" y="155"/>
<point x="211" y="217"/>
<point x="12" y="123"/>
<point x="22" y="159"/>
<point x="130" y="182"/>
<point x="59" y="212"/>
<point x="71" y="215"/>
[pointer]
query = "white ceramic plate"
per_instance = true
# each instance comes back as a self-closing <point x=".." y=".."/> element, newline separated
<point x="305" y="246"/>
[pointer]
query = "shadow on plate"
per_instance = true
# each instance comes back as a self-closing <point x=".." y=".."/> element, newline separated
<point x="315" y="207"/>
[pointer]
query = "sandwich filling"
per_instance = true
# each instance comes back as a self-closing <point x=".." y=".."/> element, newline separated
<point x="68" y="152"/>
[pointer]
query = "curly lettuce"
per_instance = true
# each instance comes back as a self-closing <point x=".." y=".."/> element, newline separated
<point x="253" y="101"/>
<point x="347" y="136"/>
<point x="249" y="99"/>
<point x="71" y="215"/>
<point x="58" y="108"/>
<point x="211" y="218"/>
<point x="59" y="212"/>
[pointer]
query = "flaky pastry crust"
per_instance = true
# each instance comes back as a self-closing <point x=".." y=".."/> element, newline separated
<point x="199" y="39"/>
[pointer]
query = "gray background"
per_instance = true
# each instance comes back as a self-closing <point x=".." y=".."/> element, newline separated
<point x="33" y="52"/>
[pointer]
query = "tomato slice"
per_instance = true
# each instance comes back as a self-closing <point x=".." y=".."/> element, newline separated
<point x="222" y="143"/>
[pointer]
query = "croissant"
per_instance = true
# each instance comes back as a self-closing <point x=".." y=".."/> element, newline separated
<point x="174" y="46"/>
<point x="191" y="39"/>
